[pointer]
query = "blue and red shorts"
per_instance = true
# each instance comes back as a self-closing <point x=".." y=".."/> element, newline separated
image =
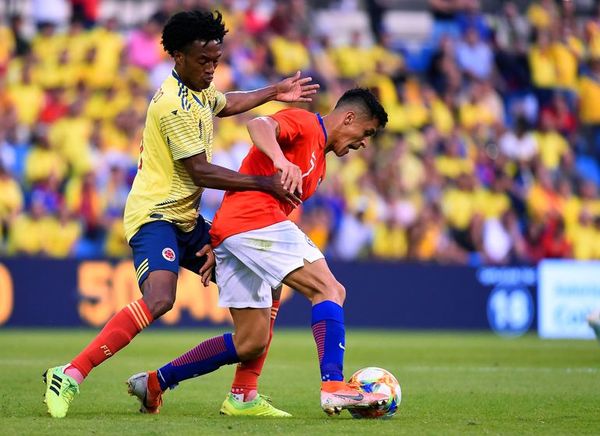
<point x="161" y="245"/>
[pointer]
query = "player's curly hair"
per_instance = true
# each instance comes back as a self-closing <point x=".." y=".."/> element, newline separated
<point x="185" y="27"/>
<point x="367" y="101"/>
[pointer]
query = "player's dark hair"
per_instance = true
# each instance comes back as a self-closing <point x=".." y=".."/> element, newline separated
<point x="185" y="27"/>
<point x="367" y="101"/>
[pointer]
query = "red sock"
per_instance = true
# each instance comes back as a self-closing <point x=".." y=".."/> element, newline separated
<point x="116" y="334"/>
<point x="247" y="373"/>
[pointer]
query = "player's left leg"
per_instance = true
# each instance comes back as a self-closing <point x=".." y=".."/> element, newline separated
<point x="248" y="342"/>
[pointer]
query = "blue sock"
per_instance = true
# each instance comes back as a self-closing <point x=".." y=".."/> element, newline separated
<point x="330" y="336"/>
<point x="202" y="359"/>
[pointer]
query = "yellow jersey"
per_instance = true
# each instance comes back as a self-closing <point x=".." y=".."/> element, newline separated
<point x="179" y="124"/>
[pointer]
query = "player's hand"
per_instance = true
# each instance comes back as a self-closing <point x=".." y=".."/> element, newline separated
<point x="205" y="271"/>
<point x="295" y="89"/>
<point x="283" y="194"/>
<point x="291" y="175"/>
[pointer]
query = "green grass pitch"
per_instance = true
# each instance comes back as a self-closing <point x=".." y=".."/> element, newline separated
<point x="452" y="383"/>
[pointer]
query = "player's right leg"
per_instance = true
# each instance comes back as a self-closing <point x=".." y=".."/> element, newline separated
<point x="317" y="283"/>
<point x="155" y="253"/>
<point x="244" y="387"/>
<point x="252" y="346"/>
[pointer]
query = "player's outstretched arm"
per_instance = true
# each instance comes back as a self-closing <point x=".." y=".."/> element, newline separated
<point x="263" y="132"/>
<point x="292" y="89"/>
<point x="207" y="175"/>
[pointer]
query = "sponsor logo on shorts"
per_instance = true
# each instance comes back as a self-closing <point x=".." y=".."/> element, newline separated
<point x="168" y="254"/>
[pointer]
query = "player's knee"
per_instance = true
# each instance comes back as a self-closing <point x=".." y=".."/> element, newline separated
<point x="251" y="351"/>
<point x="252" y="347"/>
<point x="160" y="304"/>
<point x="334" y="291"/>
<point x="339" y="293"/>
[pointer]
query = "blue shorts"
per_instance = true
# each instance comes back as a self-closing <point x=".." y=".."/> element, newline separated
<point x="161" y="245"/>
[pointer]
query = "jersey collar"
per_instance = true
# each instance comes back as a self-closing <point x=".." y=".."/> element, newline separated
<point x="322" y="127"/>
<point x="182" y="85"/>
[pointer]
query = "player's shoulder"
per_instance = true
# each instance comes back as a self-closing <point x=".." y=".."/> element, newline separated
<point x="296" y="119"/>
<point x="293" y="112"/>
<point x="165" y="100"/>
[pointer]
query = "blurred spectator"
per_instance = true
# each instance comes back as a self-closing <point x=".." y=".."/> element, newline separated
<point x="470" y="17"/>
<point x="63" y="234"/>
<point x="144" y="47"/>
<point x="444" y="73"/>
<point x="21" y="42"/>
<point x="43" y="161"/>
<point x="474" y="55"/>
<point x="27" y="95"/>
<point x="28" y="234"/>
<point x="70" y="137"/>
<point x="519" y="145"/>
<point x="11" y="202"/>
<point x="502" y="240"/>
<point x="558" y="114"/>
<point x="554" y="241"/>
<point x="511" y="29"/>
<point x="289" y="53"/>
<point x="346" y="57"/>
<point x="552" y="145"/>
<point x="589" y="105"/>
<point x="444" y="18"/>
<point x="83" y="200"/>
<point x="354" y="235"/>
<point x="542" y="14"/>
<point x="542" y="64"/>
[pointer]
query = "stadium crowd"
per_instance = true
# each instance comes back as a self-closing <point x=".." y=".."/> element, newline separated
<point x="490" y="156"/>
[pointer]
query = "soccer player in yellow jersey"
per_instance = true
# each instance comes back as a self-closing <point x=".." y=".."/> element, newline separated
<point x="161" y="216"/>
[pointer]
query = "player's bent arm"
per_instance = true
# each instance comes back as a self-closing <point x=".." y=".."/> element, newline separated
<point x="207" y="175"/>
<point x="291" y="89"/>
<point x="264" y="132"/>
<point x="242" y="101"/>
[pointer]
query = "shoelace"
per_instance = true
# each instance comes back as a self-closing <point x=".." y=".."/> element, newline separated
<point x="70" y="391"/>
<point x="266" y="398"/>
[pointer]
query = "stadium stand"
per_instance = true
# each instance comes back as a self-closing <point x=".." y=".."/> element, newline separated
<point x="490" y="156"/>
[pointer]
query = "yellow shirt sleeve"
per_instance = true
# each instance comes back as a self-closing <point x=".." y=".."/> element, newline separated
<point x="220" y="102"/>
<point x="182" y="133"/>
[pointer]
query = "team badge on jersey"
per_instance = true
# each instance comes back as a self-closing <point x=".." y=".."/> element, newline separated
<point x="310" y="242"/>
<point x="168" y="254"/>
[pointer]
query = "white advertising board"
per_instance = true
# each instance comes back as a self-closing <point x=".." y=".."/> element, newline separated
<point x="567" y="292"/>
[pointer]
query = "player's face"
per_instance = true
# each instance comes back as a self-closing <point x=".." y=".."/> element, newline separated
<point x="354" y="133"/>
<point x="196" y="65"/>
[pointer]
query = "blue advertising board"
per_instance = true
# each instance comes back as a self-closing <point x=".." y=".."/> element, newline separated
<point x="52" y="293"/>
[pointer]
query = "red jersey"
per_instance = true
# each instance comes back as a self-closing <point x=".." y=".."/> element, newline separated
<point x="302" y="137"/>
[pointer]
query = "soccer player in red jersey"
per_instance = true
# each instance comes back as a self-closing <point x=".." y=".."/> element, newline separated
<point x="258" y="248"/>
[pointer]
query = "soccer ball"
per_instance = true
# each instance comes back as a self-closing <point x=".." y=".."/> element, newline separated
<point x="378" y="380"/>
